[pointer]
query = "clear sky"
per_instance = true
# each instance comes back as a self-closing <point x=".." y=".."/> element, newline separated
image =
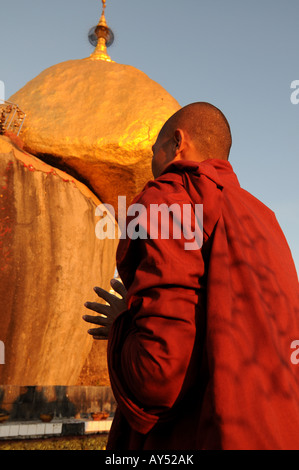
<point x="240" y="56"/>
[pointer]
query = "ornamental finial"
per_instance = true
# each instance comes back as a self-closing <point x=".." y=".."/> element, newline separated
<point x="101" y="36"/>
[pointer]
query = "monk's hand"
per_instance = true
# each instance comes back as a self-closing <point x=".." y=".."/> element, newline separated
<point x="108" y="313"/>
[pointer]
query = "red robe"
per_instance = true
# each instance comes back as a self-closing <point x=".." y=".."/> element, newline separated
<point x="202" y="357"/>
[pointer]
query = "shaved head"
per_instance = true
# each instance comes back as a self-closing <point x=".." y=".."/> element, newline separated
<point x="206" y="126"/>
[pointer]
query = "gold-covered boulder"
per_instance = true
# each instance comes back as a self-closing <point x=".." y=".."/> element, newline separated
<point x="96" y="120"/>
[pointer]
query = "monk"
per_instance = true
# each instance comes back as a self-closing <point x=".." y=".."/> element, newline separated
<point x="200" y="340"/>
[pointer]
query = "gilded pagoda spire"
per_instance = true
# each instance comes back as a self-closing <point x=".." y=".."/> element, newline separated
<point x="101" y="36"/>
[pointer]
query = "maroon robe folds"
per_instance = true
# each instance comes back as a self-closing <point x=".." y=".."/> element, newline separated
<point x="201" y="359"/>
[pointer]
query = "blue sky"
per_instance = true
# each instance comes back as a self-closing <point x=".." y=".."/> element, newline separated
<point x="239" y="55"/>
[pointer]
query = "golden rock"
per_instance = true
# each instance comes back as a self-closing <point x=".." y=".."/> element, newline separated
<point x="50" y="261"/>
<point x="97" y="120"/>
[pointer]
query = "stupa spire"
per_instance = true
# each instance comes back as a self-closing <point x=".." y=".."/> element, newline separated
<point x="101" y="36"/>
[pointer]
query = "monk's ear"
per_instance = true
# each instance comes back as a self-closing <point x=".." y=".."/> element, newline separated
<point x="178" y="140"/>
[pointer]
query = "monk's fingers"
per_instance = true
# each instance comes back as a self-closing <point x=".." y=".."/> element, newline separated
<point x="105" y="295"/>
<point x="97" y="307"/>
<point x="96" y="320"/>
<point x="99" y="333"/>
<point x="118" y="287"/>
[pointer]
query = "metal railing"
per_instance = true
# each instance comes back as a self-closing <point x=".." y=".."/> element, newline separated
<point x="11" y="117"/>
